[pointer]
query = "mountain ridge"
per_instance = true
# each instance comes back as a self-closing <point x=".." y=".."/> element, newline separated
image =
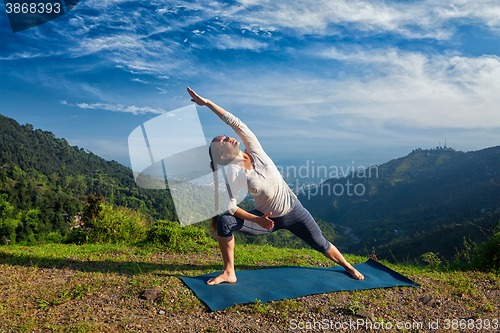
<point x="413" y="194"/>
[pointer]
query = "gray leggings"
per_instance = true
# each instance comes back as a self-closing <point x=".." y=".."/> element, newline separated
<point x="299" y="221"/>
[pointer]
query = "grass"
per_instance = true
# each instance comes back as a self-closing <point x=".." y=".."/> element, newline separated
<point x="95" y="287"/>
<point x="352" y="308"/>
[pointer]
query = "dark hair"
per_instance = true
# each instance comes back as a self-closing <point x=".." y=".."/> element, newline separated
<point x="215" y="151"/>
<point x="213" y="165"/>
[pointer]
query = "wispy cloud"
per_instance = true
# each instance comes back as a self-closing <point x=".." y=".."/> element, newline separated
<point x="136" y="79"/>
<point x="485" y="12"/>
<point x="396" y="88"/>
<point x="235" y="42"/>
<point x="64" y="102"/>
<point x="121" y="31"/>
<point x="424" y="90"/>
<point x="121" y="108"/>
<point x="420" y="19"/>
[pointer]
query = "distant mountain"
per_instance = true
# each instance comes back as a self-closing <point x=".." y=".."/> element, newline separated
<point x="408" y="196"/>
<point x="44" y="180"/>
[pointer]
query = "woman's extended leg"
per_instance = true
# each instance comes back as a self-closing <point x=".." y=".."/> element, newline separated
<point x="226" y="245"/>
<point x="301" y="223"/>
<point x="312" y="235"/>
<point x="337" y="257"/>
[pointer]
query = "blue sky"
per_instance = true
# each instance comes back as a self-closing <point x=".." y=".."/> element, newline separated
<point x="329" y="80"/>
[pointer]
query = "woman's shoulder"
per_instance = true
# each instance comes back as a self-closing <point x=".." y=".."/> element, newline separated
<point x="234" y="169"/>
<point x="235" y="173"/>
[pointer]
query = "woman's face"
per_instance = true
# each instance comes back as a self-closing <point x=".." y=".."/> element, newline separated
<point x="225" y="139"/>
<point x="227" y="146"/>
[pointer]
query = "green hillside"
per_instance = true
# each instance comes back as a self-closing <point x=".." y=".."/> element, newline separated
<point x="44" y="181"/>
<point x="412" y="195"/>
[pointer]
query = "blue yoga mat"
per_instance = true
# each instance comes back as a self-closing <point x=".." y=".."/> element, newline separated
<point x="291" y="282"/>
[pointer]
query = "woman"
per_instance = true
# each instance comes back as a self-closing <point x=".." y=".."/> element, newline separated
<point x="277" y="207"/>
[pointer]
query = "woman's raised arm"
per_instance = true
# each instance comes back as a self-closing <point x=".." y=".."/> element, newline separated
<point x="206" y="102"/>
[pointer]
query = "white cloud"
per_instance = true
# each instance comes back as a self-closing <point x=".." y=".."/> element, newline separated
<point x="482" y="11"/>
<point x="120" y="31"/>
<point x="421" y="19"/>
<point x="397" y="88"/>
<point x="64" y="102"/>
<point x="224" y="42"/>
<point x="309" y="17"/>
<point x="121" y="108"/>
<point x="136" y="79"/>
<point x="423" y="90"/>
<point x="127" y="34"/>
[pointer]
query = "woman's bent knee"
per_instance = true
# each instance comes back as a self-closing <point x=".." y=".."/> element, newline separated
<point x="224" y="223"/>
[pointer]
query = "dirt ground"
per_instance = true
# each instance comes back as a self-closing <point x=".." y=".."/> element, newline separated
<point x="88" y="297"/>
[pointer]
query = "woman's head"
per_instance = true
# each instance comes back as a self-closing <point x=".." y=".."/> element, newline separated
<point x="223" y="150"/>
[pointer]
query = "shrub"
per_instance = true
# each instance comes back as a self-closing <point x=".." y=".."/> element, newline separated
<point x="8" y="231"/>
<point x="174" y="238"/>
<point x="117" y="225"/>
<point x="431" y="258"/>
<point x="488" y="257"/>
<point x="93" y="209"/>
<point x="483" y="257"/>
<point x="76" y="236"/>
<point x="110" y="224"/>
<point x="52" y="237"/>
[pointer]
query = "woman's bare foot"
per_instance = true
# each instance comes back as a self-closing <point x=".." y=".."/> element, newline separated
<point x="354" y="273"/>
<point x="224" y="277"/>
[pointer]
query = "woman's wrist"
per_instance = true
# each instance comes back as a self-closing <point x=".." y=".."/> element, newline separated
<point x="253" y="218"/>
<point x="243" y="214"/>
<point x="215" y="108"/>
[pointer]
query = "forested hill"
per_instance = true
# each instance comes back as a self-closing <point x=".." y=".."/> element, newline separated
<point x="419" y="193"/>
<point x="42" y="178"/>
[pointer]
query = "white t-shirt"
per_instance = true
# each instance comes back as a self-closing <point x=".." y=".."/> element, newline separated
<point x="264" y="182"/>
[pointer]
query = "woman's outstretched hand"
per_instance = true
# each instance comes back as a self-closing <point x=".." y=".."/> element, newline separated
<point x="264" y="221"/>
<point x="197" y="98"/>
<point x="203" y="101"/>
